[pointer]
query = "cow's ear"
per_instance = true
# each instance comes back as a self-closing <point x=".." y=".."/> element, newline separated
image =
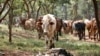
<point x="51" y="23"/>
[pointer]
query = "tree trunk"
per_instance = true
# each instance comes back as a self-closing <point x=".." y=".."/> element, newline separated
<point x="28" y="10"/>
<point x="38" y="12"/>
<point x="75" y="10"/>
<point x="96" y="15"/>
<point x="4" y="15"/>
<point x="88" y="10"/>
<point x="65" y="12"/>
<point x="10" y="22"/>
<point x="32" y="8"/>
<point x="4" y="6"/>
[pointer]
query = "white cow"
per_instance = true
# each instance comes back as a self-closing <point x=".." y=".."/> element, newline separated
<point x="49" y="27"/>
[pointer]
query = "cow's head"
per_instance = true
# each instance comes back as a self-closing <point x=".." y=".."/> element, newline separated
<point x="38" y="23"/>
<point x="47" y="23"/>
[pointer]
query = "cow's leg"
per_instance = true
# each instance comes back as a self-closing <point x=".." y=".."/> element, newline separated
<point x="51" y="44"/>
<point x="71" y="31"/>
<point x="47" y="41"/>
<point x="60" y="33"/>
<point x="55" y="36"/>
<point x="39" y="35"/>
<point x="98" y="36"/>
<point x="89" y="35"/>
<point x="95" y="35"/>
<point x="84" y="35"/>
<point x="79" y="35"/>
<point x="75" y="33"/>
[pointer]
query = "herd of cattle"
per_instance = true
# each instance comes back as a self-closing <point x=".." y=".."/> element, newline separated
<point x="50" y="27"/>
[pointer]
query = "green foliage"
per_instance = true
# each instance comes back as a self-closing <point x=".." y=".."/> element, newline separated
<point x="1" y="1"/>
<point x="65" y="9"/>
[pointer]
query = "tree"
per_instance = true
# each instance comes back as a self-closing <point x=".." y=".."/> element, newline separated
<point x="5" y="4"/>
<point x="28" y="9"/>
<point x="10" y="21"/>
<point x="96" y="15"/>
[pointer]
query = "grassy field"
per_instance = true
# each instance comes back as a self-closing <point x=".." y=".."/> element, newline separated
<point x="27" y="41"/>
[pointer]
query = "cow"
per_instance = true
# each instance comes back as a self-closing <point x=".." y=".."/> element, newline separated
<point x="49" y="27"/>
<point x="40" y="30"/>
<point x="38" y="26"/>
<point x="58" y="28"/>
<point x="30" y="24"/>
<point x="79" y="26"/>
<point x="93" y="29"/>
<point x="67" y="26"/>
<point x="27" y="23"/>
<point x="88" y="24"/>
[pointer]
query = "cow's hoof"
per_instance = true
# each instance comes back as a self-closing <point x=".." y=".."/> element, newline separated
<point x="80" y="39"/>
<point x="39" y="37"/>
<point x="84" y="39"/>
<point x="98" y="39"/>
<point x="94" y="39"/>
<point x="57" y="39"/>
<point x="52" y="46"/>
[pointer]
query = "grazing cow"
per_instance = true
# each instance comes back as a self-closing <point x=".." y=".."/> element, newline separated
<point x="49" y="27"/>
<point x="38" y="26"/>
<point x="58" y="28"/>
<point x="67" y="26"/>
<point x="79" y="26"/>
<point x="28" y="23"/>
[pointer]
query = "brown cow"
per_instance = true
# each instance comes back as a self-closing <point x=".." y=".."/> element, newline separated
<point x="67" y="26"/>
<point x="88" y="26"/>
<point x="58" y="28"/>
<point x="93" y="29"/>
<point x="28" y="23"/>
<point x="38" y="26"/>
